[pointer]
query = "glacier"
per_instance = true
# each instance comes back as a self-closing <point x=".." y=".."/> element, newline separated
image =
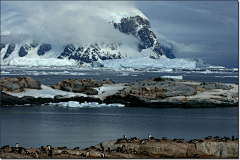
<point x="147" y="62"/>
<point x="136" y="62"/>
<point x="41" y="62"/>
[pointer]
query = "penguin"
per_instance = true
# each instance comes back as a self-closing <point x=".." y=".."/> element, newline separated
<point x="118" y="149"/>
<point x="49" y="147"/>
<point x="101" y="146"/>
<point x="16" y="145"/>
<point x="42" y="149"/>
<point x="102" y="155"/>
<point x="123" y="148"/>
<point x="200" y="141"/>
<point x="82" y="154"/>
<point x="163" y="155"/>
<point x="141" y="142"/>
<point x="76" y="148"/>
<point x="36" y="154"/>
<point x="196" y="156"/>
<point x="149" y="136"/>
<point x="164" y="138"/>
<point x="87" y="154"/>
<point x="50" y="153"/>
<point x="145" y="153"/>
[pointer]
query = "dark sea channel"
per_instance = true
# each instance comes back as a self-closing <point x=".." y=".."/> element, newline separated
<point x="34" y="126"/>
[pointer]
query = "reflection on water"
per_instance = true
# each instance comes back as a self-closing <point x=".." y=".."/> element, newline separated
<point x="33" y="126"/>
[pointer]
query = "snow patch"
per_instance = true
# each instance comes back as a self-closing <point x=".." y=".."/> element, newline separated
<point x="174" y="77"/>
<point x="45" y="92"/>
<point x="75" y="104"/>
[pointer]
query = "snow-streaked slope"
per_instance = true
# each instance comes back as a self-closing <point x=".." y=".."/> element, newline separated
<point x="146" y="62"/>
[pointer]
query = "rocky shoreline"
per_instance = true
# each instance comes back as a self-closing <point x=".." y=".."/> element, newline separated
<point x="135" y="148"/>
<point x="155" y="92"/>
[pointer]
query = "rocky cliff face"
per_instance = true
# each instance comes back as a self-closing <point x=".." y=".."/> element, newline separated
<point x="141" y="29"/>
<point x="137" y="26"/>
<point x="92" y="52"/>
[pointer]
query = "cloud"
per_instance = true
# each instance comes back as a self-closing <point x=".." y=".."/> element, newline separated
<point x="65" y="22"/>
<point x="199" y="29"/>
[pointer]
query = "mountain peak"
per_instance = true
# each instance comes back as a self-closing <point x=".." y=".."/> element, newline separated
<point x="134" y="23"/>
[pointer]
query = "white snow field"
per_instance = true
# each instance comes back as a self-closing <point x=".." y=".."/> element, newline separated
<point x="48" y="92"/>
<point x="41" y="62"/>
<point x="147" y="62"/>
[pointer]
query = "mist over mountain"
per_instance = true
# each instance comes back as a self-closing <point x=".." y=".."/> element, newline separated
<point x="73" y="34"/>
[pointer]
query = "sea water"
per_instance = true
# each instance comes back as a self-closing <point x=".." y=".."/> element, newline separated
<point x="34" y="126"/>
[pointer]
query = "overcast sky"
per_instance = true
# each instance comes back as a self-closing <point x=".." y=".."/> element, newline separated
<point x="200" y="29"/>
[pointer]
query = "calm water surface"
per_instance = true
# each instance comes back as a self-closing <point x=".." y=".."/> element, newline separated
<point x="33" y="126"/>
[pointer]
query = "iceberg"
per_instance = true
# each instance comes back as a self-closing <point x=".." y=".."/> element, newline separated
<point x="174" y="77"/>
<point x="75" y="104"/>
<point x="147" y="62"/>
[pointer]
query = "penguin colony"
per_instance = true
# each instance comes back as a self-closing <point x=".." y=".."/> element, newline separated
<point x="48" y="150"/>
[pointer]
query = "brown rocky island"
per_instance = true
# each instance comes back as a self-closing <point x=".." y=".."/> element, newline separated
<point x="155" y="92"/>
<point x="210" y="147"/>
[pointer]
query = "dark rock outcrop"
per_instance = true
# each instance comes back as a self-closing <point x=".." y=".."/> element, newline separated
<point x="131" y="25"/>
<point x="168" y="52"/>
<point x="18" y="84"/>
<point x="10" y="49"/>
<point x="155" y="92"/>
<point x="24" y="50"/>
<point x="91" y="53"/>
<point x="44" y="48"/>
<point x="84" y="86"/>
<point x="2" y="46"/>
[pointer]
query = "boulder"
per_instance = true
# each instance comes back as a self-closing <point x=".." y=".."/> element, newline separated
<point x="77" y="87"/>
<point x="19" y="83"/>
<point x="81" y="86"/>
<point x="33" y="83"/>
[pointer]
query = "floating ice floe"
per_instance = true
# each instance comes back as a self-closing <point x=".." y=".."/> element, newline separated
<point x="75" y="104"/>
<point x="3" y="72"/>
<point x="174" y="77"/>
<point x="54" y="73"/>
<point x="227" y="76"/>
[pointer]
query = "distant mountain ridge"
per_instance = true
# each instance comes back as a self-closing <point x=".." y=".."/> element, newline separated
<point x="136" y="26"/>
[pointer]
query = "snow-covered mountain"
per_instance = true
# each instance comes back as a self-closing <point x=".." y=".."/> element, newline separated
<point x="136" y="25"/>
